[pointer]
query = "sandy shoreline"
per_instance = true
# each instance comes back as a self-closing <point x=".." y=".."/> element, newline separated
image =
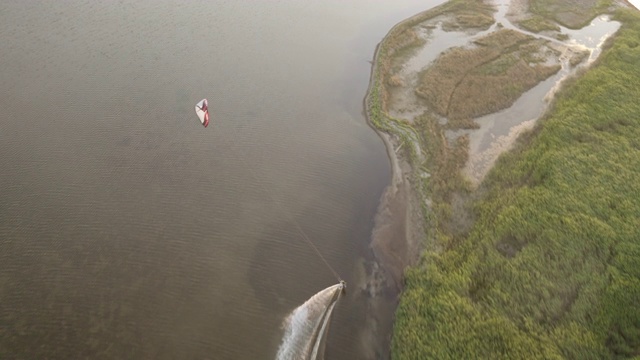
<point x="399" y="224"/>
<point x="395" y="239"/>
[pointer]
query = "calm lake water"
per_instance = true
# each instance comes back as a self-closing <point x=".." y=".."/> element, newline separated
<point x="129" y="231"/>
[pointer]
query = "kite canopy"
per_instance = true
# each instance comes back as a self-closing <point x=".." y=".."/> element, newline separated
<point x="202" y="110"/>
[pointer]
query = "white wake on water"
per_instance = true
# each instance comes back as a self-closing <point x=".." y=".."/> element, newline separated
<point x="306" y="327"/>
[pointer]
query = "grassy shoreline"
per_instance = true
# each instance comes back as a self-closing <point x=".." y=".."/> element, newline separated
<point x="542" y="261"/>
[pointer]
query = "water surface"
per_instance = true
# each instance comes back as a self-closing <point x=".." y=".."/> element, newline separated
<point x="129" y="231"/>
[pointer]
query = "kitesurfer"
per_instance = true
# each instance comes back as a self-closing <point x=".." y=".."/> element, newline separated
<point x="344" y="286"/>
<point x="202" y="110"/>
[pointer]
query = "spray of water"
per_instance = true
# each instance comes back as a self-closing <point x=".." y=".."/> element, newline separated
<point x="306" y="327"/>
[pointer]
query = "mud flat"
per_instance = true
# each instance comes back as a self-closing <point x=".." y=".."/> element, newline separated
<point x="449" y="92"/>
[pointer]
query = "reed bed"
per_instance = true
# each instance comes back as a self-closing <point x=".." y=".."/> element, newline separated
<point x="573" y="14"/>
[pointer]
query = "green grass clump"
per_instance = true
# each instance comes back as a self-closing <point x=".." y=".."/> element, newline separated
<point x="538" y="23"/>
<point x="468" y="14"/>
<point x="573" y="14"/>
<point x="550" y="268"/>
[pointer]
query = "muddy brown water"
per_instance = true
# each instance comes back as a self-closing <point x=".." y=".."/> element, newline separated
<point x="129" y="231"/>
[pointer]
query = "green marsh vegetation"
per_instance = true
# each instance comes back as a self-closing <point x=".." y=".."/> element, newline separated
<point x="538" y="24"/>
<point x="403" y="39"/>
<point x="573" y="14"/>
<point x="469" y="82"/>
<point x="399" y="43"/>
<point x="548" y="264"/>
